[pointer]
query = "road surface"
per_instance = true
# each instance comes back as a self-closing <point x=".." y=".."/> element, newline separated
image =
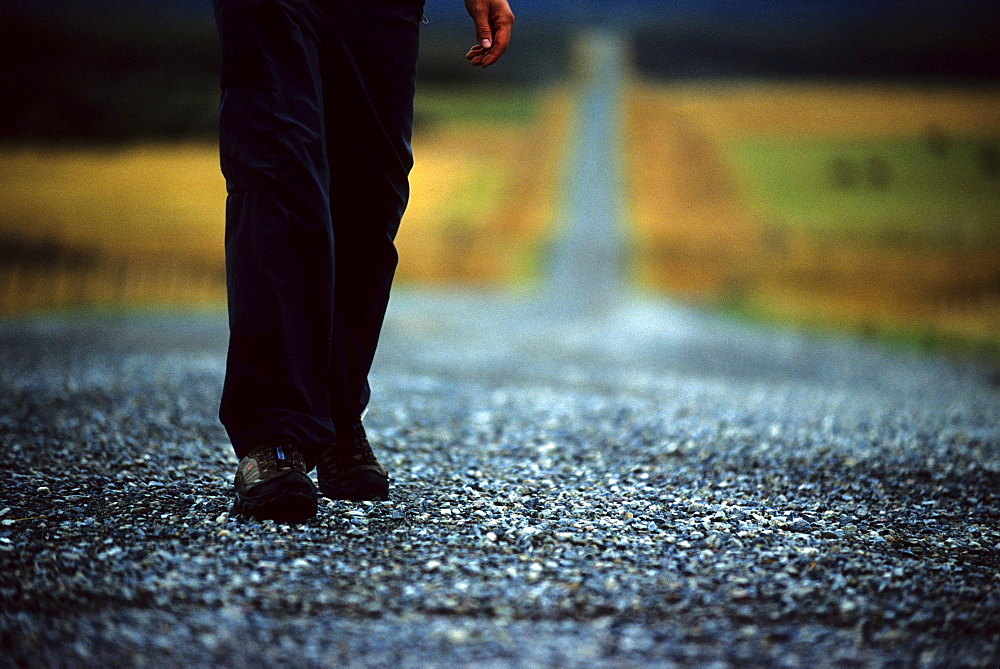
<point x="647" y="486"/>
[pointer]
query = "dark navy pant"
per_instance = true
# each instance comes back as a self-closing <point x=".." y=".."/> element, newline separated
<point x="315" y="123"/>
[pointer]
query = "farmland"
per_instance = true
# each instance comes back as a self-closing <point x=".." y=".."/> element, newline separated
<point x="143" y="224"/>
<point x="136" y="225"/>
<point x="870" y="207"/>
<point x="483" y="190"/>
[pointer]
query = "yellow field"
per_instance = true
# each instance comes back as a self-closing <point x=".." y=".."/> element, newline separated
<point x="145" y="224"/>
<point x="482" y="198"/>
<point x="722" y="110"/>
<point x="140" y="201"/>
<point x="141" y="224"/>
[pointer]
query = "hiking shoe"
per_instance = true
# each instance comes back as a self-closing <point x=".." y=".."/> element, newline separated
<point x="271" y="483"/>
<point x="348" y="469"/>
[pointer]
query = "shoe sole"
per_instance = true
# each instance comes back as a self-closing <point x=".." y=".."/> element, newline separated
<point x="290" y="498"/>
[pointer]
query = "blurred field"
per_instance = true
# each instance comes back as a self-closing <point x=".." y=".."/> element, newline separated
<point x="137" y="225"/>
<point x="483" y="190"/>
<point x="872" y="207"/>
<point x="868" y="207"/>
<point x="144" y="224"/>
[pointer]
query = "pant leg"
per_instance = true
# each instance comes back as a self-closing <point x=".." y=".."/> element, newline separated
<point x="369" y="119"/>
<point x="279" y="236"/>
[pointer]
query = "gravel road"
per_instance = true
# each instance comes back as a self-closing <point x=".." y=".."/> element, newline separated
<point x="644" y="487"/>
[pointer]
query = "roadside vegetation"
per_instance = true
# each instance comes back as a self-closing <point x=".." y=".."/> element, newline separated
<point x="872" y="208"/>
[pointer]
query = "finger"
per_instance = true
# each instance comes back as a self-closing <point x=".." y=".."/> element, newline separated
<point x="500" y="44"/>
<point x="484" y="34"/>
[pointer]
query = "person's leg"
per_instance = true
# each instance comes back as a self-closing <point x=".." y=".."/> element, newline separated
<point x="279" y="236"/>
<point x="369" y="114"/>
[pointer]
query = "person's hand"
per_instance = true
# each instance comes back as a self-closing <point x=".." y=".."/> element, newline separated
<point x="493" y="20"/>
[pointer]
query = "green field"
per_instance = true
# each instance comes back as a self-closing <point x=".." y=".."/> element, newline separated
<point x="905" y="190"/>
<point x="865" y="207"/>
<point x="492" y="105"/>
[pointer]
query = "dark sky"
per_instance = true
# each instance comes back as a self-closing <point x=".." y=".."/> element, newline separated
<point x="907" y="10"/>
<point x="877" y="38"/>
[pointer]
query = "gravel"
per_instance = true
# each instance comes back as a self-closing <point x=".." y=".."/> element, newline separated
<point x="647" y="486"/>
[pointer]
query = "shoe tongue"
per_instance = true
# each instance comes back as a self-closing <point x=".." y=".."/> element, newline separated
<point x="279" y="453"/>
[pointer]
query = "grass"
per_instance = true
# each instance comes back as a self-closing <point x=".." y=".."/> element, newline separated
<point x="873" y="209"/>
<point x="141" y="225"/>
<point x="737" y="193"/>
<point x="915" y="334"/>
<point x="136" y="203"/>
<point x="478" y="106"/>
<point x="483" y="185"/>
<point x="137" y="225"/>
<point x="901" y="188"/>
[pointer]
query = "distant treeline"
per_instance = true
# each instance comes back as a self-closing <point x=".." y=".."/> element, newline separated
<point x="109" y="80"/>
<point x="65" y="81"/>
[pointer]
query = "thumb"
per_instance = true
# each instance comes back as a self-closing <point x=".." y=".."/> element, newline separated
<point x="484" y="35"/>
